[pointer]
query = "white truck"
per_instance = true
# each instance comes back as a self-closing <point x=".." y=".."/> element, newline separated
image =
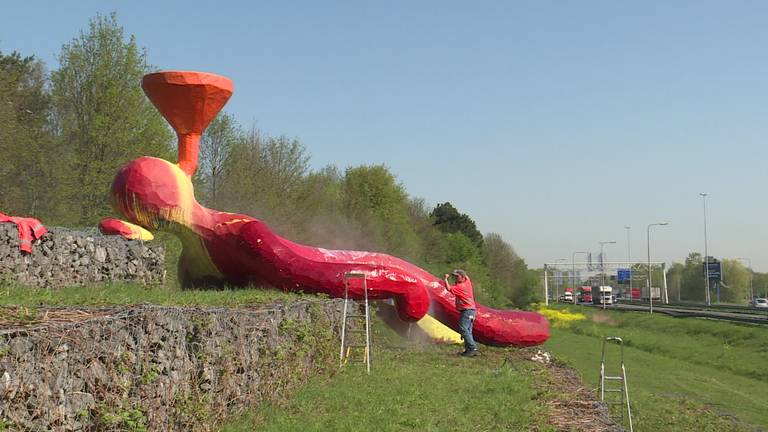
<point x="604" y="295"/>
<point x="567" y="296"/>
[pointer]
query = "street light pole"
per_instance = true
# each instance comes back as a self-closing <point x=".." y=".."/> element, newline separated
<point x="573" y="273"/>
<point x="751" y="290"/>
<point x="629" y="262"/>
<point x="650" y="291"/>
<point x="706" y="254"/>
<point x="559" y="279"/>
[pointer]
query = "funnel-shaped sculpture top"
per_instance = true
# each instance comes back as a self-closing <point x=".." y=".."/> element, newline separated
<point x="189" y="101"/>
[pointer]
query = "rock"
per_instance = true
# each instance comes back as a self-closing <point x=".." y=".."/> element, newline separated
<point x="100" y="254"/>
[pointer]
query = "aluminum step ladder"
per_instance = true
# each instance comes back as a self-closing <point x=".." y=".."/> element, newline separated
<point x="622" y="390"/>
<point x="353" y="350"/>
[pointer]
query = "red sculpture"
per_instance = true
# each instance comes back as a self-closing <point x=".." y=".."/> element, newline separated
<point x="225" y="248"/>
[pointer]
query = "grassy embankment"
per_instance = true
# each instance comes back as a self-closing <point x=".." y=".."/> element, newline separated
<point x="128" y="294"/>
<point x="413" y="387"/>
<point x="424" y="387"/>
<point x="683" y="374"/>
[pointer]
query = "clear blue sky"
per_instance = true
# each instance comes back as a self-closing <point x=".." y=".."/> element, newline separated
<point x="553" y="123"/>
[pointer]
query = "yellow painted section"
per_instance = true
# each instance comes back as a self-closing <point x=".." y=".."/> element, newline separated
<point x="438" y="331"/>
<point x="199" y="263"/>
<point x="561" y="319"/>
<point x="139" y="233"/>
<point x="233" y="221"/>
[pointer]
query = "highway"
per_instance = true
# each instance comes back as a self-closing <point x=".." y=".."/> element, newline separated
<point x="690" y="310"/>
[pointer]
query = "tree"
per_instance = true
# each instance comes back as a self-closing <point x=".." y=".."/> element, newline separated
<point x="320" y="219"/>
<point x="264" y="177"/>
<point x="29" y="167"/>
<point x="215" y="149"/>
<point x="101" y="115"/>
<point x="434" y="242"/>
<point x="372" y="196"/>
<point x="735" y="286"/>
<point x="675" y="281"/>
<point x="693" y="278"/>
<point x="447" y="219"/>
<point x="508" y="270"/>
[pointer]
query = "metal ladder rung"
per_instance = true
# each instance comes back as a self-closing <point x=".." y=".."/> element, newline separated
<point x="364" y="349"/>
<point x="623" y="391"/>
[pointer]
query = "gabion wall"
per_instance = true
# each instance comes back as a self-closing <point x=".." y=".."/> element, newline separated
<point x="65" y="257"/>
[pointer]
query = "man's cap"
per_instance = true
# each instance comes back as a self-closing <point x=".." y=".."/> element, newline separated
<point x="459" y="272"/>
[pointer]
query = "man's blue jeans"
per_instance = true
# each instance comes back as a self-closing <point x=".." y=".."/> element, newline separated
<point x="466" y="319"/>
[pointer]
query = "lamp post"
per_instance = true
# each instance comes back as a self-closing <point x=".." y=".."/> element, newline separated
<point x="751" y="290"/>
<point x="650" y="291"/>
<point x="573" y="273"/>
<point x="706" y="254"/>
<point x="629" y="262"/>
<point x="559" y="279"/>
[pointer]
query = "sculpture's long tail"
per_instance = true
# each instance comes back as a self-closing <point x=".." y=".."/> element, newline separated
<point x="298" y="267"/>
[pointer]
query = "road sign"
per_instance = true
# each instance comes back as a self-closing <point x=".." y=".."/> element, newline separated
<point x="715" y="271"/>
<point x="622" y="275"/>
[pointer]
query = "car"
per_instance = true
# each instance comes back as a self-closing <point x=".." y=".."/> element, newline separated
<point x="760" y="303"/>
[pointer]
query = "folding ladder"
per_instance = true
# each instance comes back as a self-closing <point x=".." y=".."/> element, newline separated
<point x="622" y="389"/>
<point x="351" y="345"/>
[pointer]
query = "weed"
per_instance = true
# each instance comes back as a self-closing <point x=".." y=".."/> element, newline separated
<point x="192" y="408"/>
<point x="150" y="375"/>
<point x="128" y="419"/>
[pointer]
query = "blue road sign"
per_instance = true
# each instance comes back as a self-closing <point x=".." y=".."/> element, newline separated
<point x="622" y="275"/>
<point x="715" y="271"/>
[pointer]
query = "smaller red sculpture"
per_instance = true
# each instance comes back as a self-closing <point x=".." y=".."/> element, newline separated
<point x="111" y="226"/>
<point x="29" y="230"/>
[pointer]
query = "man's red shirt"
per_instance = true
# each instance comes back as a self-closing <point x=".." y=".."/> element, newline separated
<point x="465" y="296"/>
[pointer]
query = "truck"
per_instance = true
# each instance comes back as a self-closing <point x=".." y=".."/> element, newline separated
<point x="604" y="295"/>
<point x="655" y="292"/>
<point x="567" y="296"/>
<point x="585" y="294"/>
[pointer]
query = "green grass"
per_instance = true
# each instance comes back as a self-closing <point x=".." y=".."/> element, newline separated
<point x="683" y="374"/>
<point x="128" y="294"/>
<point x="425" y="388"/>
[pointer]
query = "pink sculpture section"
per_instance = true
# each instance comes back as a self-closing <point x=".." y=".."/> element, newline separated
<point x="224" y="248"/>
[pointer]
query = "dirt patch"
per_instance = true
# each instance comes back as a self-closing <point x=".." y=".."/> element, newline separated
<point x="572" y="406"/>
<point x="603" y="318"/>
<point x="18" y="317"/>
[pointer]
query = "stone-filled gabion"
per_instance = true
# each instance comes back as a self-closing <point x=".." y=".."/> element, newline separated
<point x="160" y="368"/>
<point x="65" y="257"/>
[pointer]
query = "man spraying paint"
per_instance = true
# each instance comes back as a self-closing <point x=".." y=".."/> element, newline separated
<point x="465" y="303"/>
